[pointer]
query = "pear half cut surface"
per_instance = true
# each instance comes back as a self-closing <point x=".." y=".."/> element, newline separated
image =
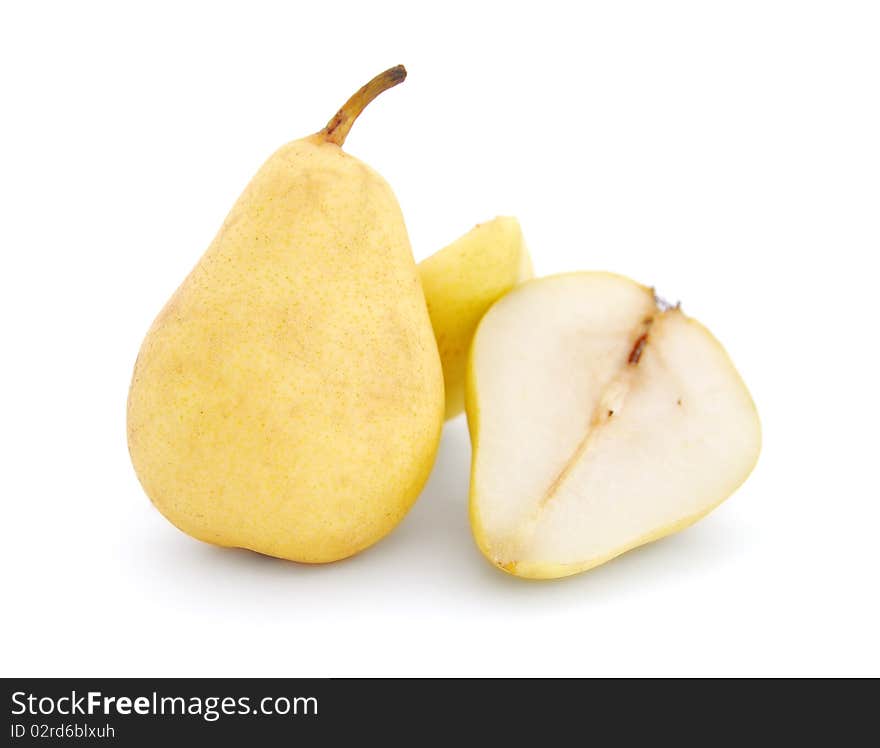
<point x="289" y="397"/>
<point x="461" y="282"/>
<point x="600" y="420"/>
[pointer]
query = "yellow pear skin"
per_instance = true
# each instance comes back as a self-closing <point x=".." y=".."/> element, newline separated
<point x="289" y="397"/>
<point x="461" y="282"/>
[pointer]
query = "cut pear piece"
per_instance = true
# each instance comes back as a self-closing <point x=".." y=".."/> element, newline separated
<point x="600" y="420"/>
<point x="461" y="282"/>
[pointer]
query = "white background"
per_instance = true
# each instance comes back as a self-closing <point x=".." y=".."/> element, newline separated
<point x="727" y="153"/>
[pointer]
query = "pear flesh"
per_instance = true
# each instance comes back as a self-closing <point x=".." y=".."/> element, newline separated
<point x="289" y="397"/>
<point x="600" y="421"/>
<point x="461" y="282"/>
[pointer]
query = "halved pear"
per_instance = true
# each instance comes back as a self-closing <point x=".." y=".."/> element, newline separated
<point x="460" y="283"/>
<point x="601" y="419"/>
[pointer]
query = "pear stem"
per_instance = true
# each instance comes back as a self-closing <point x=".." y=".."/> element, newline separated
<point x="338" y="127"/>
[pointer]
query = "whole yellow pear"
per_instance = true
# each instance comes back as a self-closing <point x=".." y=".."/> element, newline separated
<point x="461" y="282"/>
<point x="289" y="397"/>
